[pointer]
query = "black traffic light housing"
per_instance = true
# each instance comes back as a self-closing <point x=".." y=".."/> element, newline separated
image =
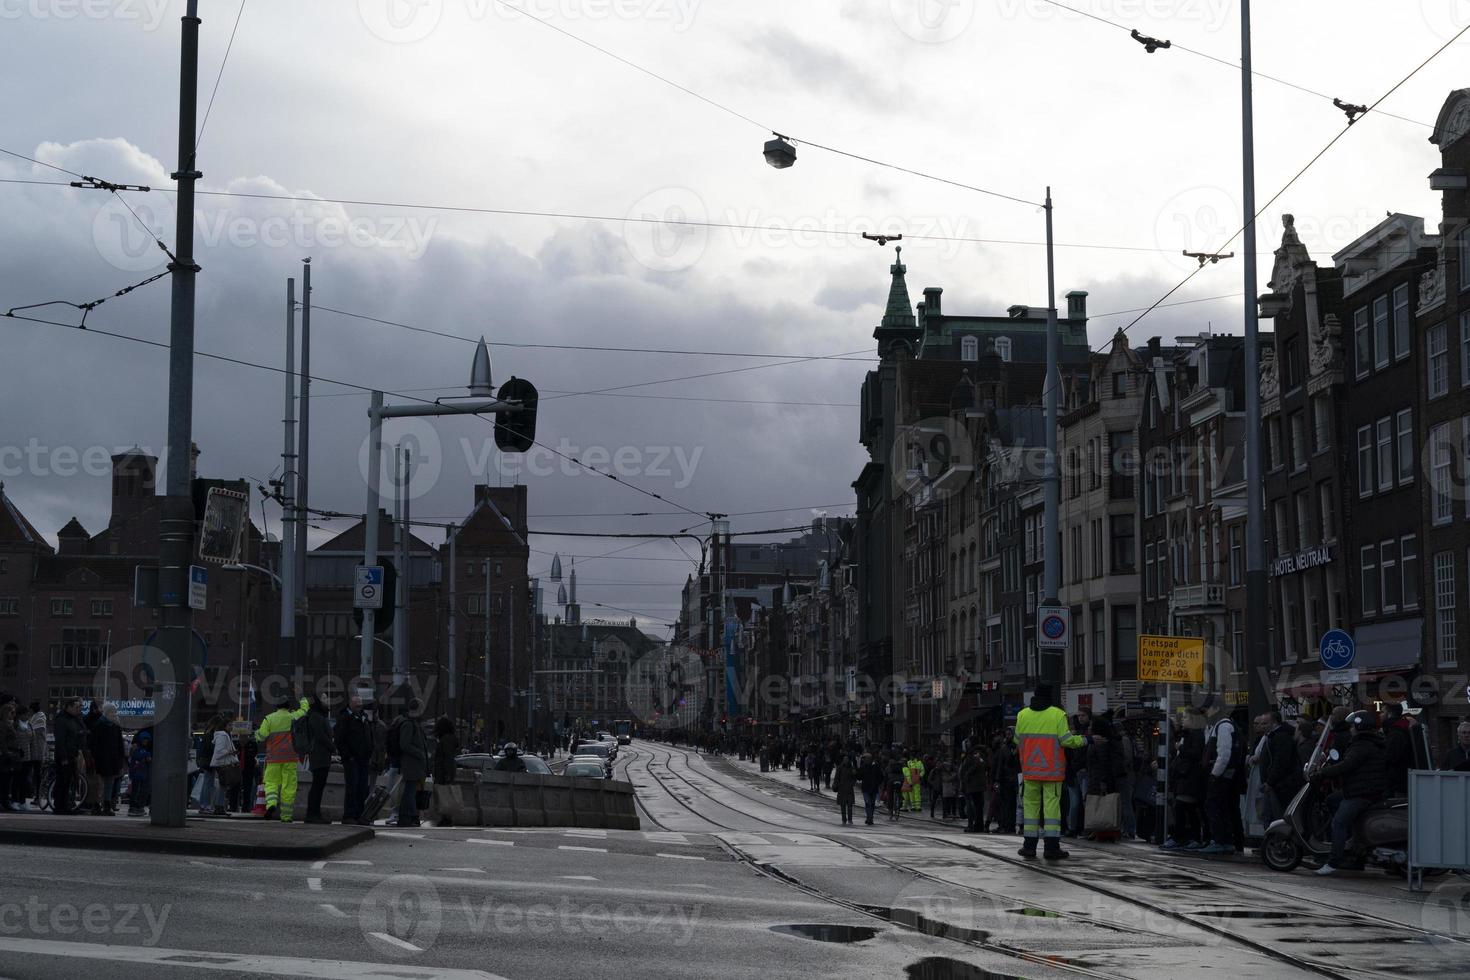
<point x="383" y="618"/>
<point x="515" y="432"/>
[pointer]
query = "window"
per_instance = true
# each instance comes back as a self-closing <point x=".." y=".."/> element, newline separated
<point x="1385" y="454"/>
<point x="1441" y="458"/>
<point x="1368" y="578"/>
<point x="1003" y="348"/>
<point x="1464" y="349"/>
<point x="1298" y="441"/>
<point x="1099" y="635"/>
<point x="1406" y="446"/>
<point x="1125" y="634"/>
<point x="61" y="607"/>
<point x="1097" y="549"/>
<point x="1380" y="331"/>
<point x="1122" y="462"/>
<point x="1094" y="473"/>
<point x="1402" y="321"/>
<point x="476" y="604"/>
<point x="1283" y="533"/>
<point x="9" y="606"/>
<point x="101" y="607"/>
<point x="1291" y="365"/>
<point x="969" y="348"/>
<point x="1388" y="573"/>
<point x="1409" y="571"/>
<point x="1321" y="424"/>
<point x="1444" y="607"/>
<point x="1120" y="384"/>
<point x="1365" y="460"/>
<point x="1465" y="259"/>
<point x="1273" y="437"/>
<point x="1304" y="526"/>
<point x="1324" y="511"/>
<point x="1237" y="641"/>
<point x="1361" y="348"/>
<point x="1124" y="559"/>
<point x="1030" y="594"/>
<point x="1237" y="554"/>
<point x="1148" y="570"/>
<point x="79" y="649"/>
<point x="1437" y="367"/>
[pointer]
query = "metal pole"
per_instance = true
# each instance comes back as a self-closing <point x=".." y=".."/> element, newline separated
<point x="398" y="531"/>
<point x="1257" y="657"/>
<point x="405" y="579"/>
<point x="510" y="648"/>
<point x="176" y="525"/>
<point x="288" y="488"/>
<point x="1165" y="745"/>
<point x="488" y="733"/>
<point x="303" y="463"/>
<point x="370" y="527"/>
<point x="453" y="617"/>
<point x="1049" y="663"/>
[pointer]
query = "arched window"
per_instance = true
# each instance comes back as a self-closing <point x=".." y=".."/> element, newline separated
<point x="969" y="348"/>
<point x="1003" y="348"/>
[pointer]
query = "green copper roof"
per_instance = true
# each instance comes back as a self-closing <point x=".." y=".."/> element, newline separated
<point x="900" y="312"/>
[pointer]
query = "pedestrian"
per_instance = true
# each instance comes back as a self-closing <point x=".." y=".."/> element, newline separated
<point x="1106" y="772"/>
<point x="1042" y="734"/>
<point x="204" y="784"/>
<point x="108" y="757"/>
<point x="1364" y="776"/>
<point x="39" y="729"/>
<point x="1225" y="762"/>
<point x="318" y="757"/>
<point x="1306" y="741"/>
<point x="973" y="775"/>
<point x="140" y="774"/>
<point x="1281" y="773"/>
<point x="225" y="761"/>
<point x="843" y="780"/>
<point x="950" y="787"/>
<point x="870" y="775"/>
<point x="249" y="774"/>
<point x="446" y="751"/>
<point x="379" y="730"/>
<point x="20" y="780"/>
<point x="809" y="769"/>
<point x="1457" y="759"/>
<point x="69" y="755"/>
<point x="11" y="754"/>
<point x="280" y="759"/>
<point x="1398" y="746"/>
<point x="896" y="769"/>
<point x="407" y="735"/>
<point x="913" y="775"/>
<point x="355" y="747"/>
<point x="1076" y="777"/>
<point x="1188" y="783"/>
<point x="1007" y="772"/>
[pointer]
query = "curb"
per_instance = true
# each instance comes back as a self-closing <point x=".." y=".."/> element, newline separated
<point x="197" y="846"/>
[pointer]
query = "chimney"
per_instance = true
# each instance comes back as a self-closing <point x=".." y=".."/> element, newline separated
<point x="134" y="483"/>
<point x="931" y="300"/>
<point x="1018" y="311"/>
<point x="1077" y="304"/>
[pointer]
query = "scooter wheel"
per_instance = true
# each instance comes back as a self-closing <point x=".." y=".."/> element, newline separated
<point x="1281" y="852"/>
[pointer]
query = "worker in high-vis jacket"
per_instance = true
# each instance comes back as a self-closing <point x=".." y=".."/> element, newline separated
<point x="1042" y="735"/>
<point x="274" y="735"/>
<point x="913" y="783"/>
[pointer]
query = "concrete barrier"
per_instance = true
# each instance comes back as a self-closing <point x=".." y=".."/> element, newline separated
<point x="455" y="804"/>
<point x="524" y="800"/>
<point x="334" y="797"/>
<point x="525" y="795"/>
<point x="587" y="801"/>
<point x="493" y="794"/>
<point x="556" y="801"/>
<point x="619" y="806"/>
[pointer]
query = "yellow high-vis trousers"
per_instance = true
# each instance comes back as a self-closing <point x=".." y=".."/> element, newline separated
<point x="280" y="788"/>
<point x="1041" y="809"/>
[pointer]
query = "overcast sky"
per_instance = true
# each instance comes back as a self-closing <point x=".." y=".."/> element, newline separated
<point x="466" y="103"/>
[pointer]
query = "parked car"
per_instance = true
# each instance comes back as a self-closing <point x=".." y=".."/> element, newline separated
<point x="587" y="766"/>
<point x="483" y="761"/>
<point x="595" y="759"/>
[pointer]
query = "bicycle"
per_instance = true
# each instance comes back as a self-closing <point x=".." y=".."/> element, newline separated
<point x="48" y="790"/>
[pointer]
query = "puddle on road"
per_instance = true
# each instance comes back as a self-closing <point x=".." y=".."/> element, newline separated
<point x="826" y="933"/>
<point x="1252" y="914"/>
<point x="1039" y="913"/>
<point x="944" y="968"/>
<point x="913" y="919"/>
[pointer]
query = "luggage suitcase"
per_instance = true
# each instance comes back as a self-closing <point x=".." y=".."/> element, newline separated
<point x="374" y="803"/>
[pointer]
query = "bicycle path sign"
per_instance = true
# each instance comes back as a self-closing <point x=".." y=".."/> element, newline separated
<point x="1337" y="650"/>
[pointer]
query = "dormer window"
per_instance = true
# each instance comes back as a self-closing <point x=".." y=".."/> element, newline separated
<point x="1003" y="348"/>
<point x="969" y="348"/>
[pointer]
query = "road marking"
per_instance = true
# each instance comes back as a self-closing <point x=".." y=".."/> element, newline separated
<point x="315" y="884"/>
<point x="666" y="837"/>
<point x="392" y="940"/>
<point x="319" y="865"/>
<point x="578" y="877"/>
<point x="254" y="963"/>
<point x="574" y="847"/>
<point x="333" y="910"/>
<point x="474" y="871"/>
<point x="681" y="857"/>
<point x="600" y="834"/>
<point x="481" y="840"/>
<point x="399" y="833"/>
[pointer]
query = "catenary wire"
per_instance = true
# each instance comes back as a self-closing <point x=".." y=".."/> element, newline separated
<point x="229" y="46"/>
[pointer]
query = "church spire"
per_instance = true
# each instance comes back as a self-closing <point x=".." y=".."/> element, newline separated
<point x="899" y="314"/>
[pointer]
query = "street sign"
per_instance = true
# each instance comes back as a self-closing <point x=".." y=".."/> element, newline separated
<point x="1348" y="675"/>
<point x="1337" y="649"/>
<point x="1171" y="659"/>
<point x="1053" y="627"/>
<point x="368" y="593"/>
<point x="225" y="515"/>
<point x="198" y="588"/>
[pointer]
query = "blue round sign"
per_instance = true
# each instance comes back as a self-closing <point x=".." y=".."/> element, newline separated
<point x="1337" y="649"/>
<point x="1054" y="627"/>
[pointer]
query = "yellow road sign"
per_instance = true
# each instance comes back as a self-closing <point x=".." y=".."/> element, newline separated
<point x="1171" y="659"/>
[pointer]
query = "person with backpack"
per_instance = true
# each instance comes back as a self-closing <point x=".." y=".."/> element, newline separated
<point x="408" y="751"/>
<point x="277" y="733"/>
<point x="318" y="739"/>
<point x="1225" y="763"/>
<point x="355" y="745"/>
<point x="140" y="771"/>
<point x="224" y="761"/>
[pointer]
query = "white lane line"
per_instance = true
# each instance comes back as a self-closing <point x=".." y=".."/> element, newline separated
<point x="578" y="877"/>
<point x="392" y="940"/>
<point x="315" y="884"/>
<point x="236" y="963"/>
<point x="681" y="857"/>
<point x="575" y="847"/>
<point x="600" y="834"/>
<point x="474" y="871"/>
<point x="333" y="910"/>
<point x="481" y="840"/>
<point x="318" y="865"/>
<point x="399" y="833"/>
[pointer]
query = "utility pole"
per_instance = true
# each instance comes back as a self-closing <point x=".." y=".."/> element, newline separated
<point x="1257" y="657"/>
<point x="176" y="524"/>
<point x="488" y="733"/>
<point x="288" y="490"/>
<point x="405" y="579"/>
<point x="453" y="534"/>
<point x="400" y="535"/>
<point x="1049" y="663"/>
<point x="303" y="461"/>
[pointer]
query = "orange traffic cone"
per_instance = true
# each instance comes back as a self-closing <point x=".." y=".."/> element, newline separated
<point x="259" y="809"/>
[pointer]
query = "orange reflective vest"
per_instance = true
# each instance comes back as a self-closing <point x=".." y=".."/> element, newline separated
<point x="1042" y="735"/>
<point x="275" y="733"/>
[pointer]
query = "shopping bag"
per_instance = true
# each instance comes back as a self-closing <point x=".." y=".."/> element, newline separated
<point x="1104" y="813"/>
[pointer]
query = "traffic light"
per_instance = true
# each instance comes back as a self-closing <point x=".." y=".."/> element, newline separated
<point x="382" y="618"/>
<point x="515" y="432"/>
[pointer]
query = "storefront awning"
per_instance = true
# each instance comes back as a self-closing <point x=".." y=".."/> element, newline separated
<point x="1382" y="647"/>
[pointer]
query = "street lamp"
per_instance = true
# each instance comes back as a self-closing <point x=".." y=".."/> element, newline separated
<point x="779" y="153"/>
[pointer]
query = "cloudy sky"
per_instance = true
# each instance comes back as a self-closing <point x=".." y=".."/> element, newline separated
<point x="470" y="104"/>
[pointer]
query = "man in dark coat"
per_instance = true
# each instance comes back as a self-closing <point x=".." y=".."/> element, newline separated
<point x="71" y="739"/>
<point x="1281" y="772"/>
<point x="1398" y="748"/>
<point x="318" y="759"/>
<point x="1363" y="774"/>
<point x="870" y="776"/>
<point x="355" y="746"/>
<point x="974" y="775"/>
<point x="413" y="760"/>
<point x="108" y="757"/>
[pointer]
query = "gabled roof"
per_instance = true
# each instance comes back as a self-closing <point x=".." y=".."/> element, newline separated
<point x="15" y="526"/>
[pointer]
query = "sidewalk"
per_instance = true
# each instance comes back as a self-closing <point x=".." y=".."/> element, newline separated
<point x="239" y="837"/>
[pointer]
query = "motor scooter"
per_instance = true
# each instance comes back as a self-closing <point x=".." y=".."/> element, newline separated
<point x="1380" y="838"/>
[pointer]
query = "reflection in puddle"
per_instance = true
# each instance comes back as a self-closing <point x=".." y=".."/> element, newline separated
<point x="1252" y="914"/>
<point x="944" y="968"/>
<point x="913" y="919"/>
<point x="1039" y="913"/>
<point x="825" y="933"/>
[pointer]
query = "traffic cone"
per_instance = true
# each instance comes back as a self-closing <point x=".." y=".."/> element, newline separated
<point x="259" y="809"/>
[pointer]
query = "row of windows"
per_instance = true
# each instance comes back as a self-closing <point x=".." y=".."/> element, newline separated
<point x="1290" y="445"/>
<point x="970" y="348"/>
<point x="1323" y="528"/>
<point x="1437" y="357"/>
<point x="1388" y="576"/>
<point x="60" y="608"/>
<point x="1381" y="334"/>
<point x="1378" y="444"/>
<point x="1095" y="634"/>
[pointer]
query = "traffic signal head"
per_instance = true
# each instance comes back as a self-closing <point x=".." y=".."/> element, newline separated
<point x="515" y="432"/>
